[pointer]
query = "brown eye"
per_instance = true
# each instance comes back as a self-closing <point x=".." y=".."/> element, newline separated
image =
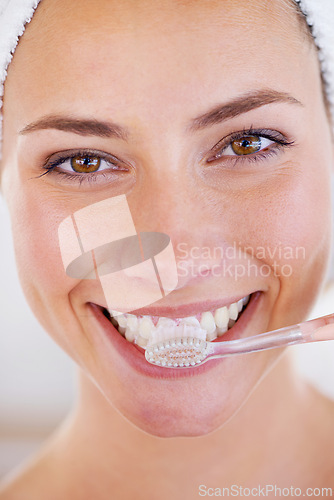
<point x="246" y="145"/>
<point x="85" y="164"/>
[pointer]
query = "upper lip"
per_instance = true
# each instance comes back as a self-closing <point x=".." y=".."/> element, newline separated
<point x="184" y="310"/>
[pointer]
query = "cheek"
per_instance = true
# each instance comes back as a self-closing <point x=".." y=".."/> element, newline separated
<point x="288" y="223"/>
<point x="35" y="219"/>
<point x="294" y="211"/>
<point x="35" y="234"/>
<point x="47" y="288"/>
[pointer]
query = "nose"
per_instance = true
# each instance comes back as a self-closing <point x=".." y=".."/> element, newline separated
<point x="178" y="205"/>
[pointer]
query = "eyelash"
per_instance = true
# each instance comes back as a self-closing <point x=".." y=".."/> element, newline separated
<point x="279" y="140"/>
<point x="51" y="166"/>
<point x="218" y="150"/>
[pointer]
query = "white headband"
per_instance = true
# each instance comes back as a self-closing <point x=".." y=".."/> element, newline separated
<point x="15" y="14"/>
<point x="320" y="18"/>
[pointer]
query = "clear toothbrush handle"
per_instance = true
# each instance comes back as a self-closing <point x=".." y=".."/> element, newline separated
<point x="309" y="331"/>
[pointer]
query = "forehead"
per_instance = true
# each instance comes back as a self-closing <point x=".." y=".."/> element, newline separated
<point x="105" y="52"/>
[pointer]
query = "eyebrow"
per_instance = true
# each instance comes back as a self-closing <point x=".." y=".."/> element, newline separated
<point x="78" y="126"/>
<point x="220" y="113"/>
<point x="240" y="105"/>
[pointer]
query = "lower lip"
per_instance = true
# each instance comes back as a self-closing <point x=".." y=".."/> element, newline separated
<point x="135" y="355"/>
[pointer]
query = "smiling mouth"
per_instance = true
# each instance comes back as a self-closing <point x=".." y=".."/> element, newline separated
<point x="139" y="329"/>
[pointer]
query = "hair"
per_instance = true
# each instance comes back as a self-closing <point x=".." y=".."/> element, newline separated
<point x="308" y="34"/>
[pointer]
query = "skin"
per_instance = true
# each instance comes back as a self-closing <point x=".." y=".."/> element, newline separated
<point x="223" y="427"/>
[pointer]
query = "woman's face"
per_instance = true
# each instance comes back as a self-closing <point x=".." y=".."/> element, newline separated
<point x="159" y="70"/>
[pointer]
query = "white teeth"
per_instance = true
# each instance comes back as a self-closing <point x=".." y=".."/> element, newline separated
<point x="208" y="323"/>
<point x="132" y="322"/>
<point x="121" y="320"/>
<point x="190" y="320"/>
<point x="130" y="335"/>
<point x="141" y="341"/>
<point x="231" y="323"/>
<point x="221" y="331"/>
<point x="211" y="336"/>
<point x="141" y="329"/>
<point x="145" y="327"/>
<point x="222" y="317"/>
<point x="165" y="322"/>
<point x="233" y="311"/>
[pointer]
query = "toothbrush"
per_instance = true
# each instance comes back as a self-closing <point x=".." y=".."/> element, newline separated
<point x="185" y="345"/>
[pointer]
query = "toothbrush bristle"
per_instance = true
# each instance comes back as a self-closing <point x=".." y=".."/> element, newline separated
<point x="177" y="352"/>
<point x="176" y="332"/>
<point x="177" y="346"/>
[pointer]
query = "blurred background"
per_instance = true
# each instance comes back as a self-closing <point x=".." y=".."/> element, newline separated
<point x="37" y="380"/>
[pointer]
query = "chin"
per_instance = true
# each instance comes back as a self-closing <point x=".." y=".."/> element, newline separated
<point x="190" y="426"/>
<point x="189" y="413"/>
